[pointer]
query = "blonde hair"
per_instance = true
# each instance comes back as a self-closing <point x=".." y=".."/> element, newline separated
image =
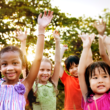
<point x="44" y="59"/>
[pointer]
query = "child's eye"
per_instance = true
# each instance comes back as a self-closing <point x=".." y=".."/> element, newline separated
<point x="41" y="69"/>
<point x="105" y="76"/>
<point x="15" y="63"/>
<point x="48" y="70"/>
<point x="76" y="65"/>
<point x="4" y="64"/>
<point x="94" y="77"/>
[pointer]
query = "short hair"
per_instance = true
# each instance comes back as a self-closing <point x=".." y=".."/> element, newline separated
<point x="70" y="60"/>
<point x="90" y="70"/>
<point x="13" y="49"/>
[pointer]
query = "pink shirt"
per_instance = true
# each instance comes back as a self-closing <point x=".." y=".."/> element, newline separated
<point x="102" y="103"/>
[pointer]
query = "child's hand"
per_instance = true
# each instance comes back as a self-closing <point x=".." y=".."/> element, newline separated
<point x="22" y="36"/>
<point x="87" y="39"/>
<point x="65" y="47"/>
<point x="56" y="35"/>
<point x="46" y="19"/>
<point x="100" y="27"/>
<point x="105" y="39"/>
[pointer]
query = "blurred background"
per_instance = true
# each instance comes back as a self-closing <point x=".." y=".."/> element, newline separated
<point x="71" y="17"/>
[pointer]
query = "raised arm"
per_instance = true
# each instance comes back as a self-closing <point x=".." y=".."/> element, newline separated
<point x="83" y="63"/>
<point x="43" y="21"/>
<point x="22" y="36"/>
<point x="89" y="58"/>
<point x="63" y="49"/>
<point x="55" y="75"/>
<point x="106" y="42"/>
<point x="101" y="26"/>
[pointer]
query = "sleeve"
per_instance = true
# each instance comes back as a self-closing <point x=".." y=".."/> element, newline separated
<point x="64" y="77"/>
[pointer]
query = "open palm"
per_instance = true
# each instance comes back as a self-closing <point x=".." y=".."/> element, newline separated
<point x="87" y="39"/>
<point x="56" y="35"/>
<point x="46" y="19"/>
<point x="100" y="26"/>
<point x="21" y="35"/>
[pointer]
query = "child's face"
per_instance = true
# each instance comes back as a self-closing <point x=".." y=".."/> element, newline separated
<point x="11" y="65"/>
<point x="73" y="70"/>
<point x="99" y="82"/>
<point x="44" y="72"/>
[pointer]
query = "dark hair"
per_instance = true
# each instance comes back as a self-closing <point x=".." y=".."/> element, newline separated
<point x="70" y="60"/>
<point x="90" y="70"/>
<point x="13" y="49"/>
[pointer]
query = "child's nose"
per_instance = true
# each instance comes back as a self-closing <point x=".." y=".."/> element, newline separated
<point x="9" y="67"/>
<point x="45" y="72"/>
<point x="75" y="69"/>
<point x="100" y="79"/>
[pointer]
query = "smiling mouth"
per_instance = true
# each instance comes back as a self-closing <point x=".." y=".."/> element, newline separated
<point x="10" y="74"/>
<point x="44" y="76"/>
<point x="101" y="86"/>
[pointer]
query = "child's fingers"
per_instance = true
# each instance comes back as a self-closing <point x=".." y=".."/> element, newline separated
<point x="40" y="15"/>
<point x="65" y="45"/>
<point x="25" y="32"/>
<point x="45" y="13"/>
<point x="49" y="12"/>
<point x="95" y="24"/>
<point x="102" y="21"/>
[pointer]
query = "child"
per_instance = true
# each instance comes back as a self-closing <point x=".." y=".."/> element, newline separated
<point x="94" y="81"/>
<point x="46" y="85"/>
<point x="73" y="95"/>
<point x="13" y="93"/>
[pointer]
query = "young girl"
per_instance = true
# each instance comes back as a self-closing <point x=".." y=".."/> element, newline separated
<point x="94" y="81"/>
<point x="13" y="94"/>
<point x="46" y="85"/>
<point x="73" y="95"/>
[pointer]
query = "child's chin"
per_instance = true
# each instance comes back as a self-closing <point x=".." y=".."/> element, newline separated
<point x="75" y="76"/>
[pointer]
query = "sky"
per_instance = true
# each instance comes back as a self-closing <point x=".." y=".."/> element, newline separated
<point x="76" y="8"/>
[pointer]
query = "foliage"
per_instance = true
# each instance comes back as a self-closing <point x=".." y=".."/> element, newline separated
<point x="23" y="14"/>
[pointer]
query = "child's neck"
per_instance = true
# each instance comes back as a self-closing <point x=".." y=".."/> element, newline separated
<point x="43" y="83"/>
<point x="96" y="96"/>
<point x="7" y="82"/>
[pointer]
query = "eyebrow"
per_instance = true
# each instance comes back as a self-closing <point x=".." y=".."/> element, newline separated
<point x="12" y="60"/>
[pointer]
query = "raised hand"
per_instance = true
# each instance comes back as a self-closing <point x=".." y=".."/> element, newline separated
<point x="100" y="26"/>
<point x="22" y="36"/>
<point x="87" y="39"/>
<point x="56" y="35"/>
<point x="45" y="19"/>
<point x="105" y="39"/>
<point x="64" y="47"/>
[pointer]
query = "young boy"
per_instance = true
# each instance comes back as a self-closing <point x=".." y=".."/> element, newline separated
<point x="73" y="95"/>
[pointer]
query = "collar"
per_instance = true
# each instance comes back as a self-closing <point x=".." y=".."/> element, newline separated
<point x="48" y="84"/>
